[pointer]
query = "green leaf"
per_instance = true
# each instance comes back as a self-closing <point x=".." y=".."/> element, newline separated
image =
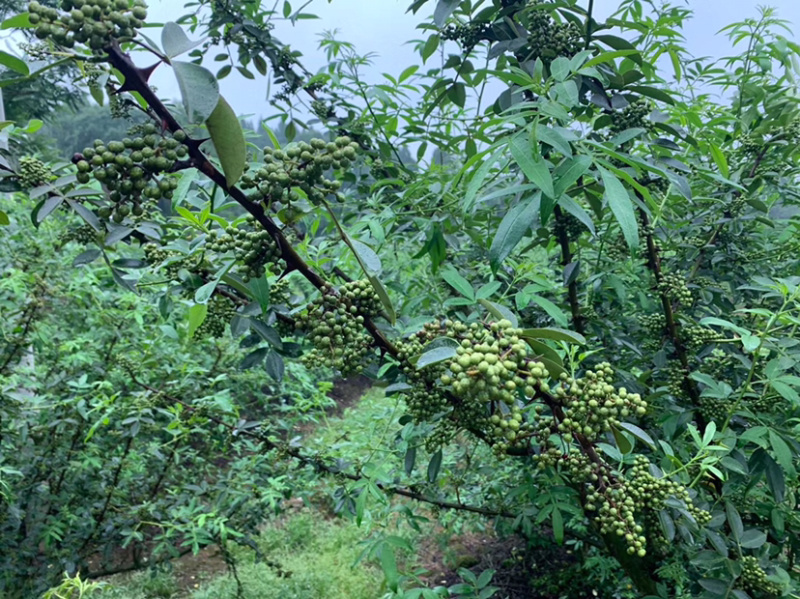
<point x="434" y="466"/>
<point x="782" y="453"/>
<point x="275" y="366"/>
<point x="20" y="21"/>
<point x="555" y="334"/>
<point x="369" y="260"/>
<point x="204" y="293"/>
<point x="386" y="301"/>
<point x="196" y="315"/>
<point x="719" y="160"/>
<point x="553" y="138"/>
<point x="534" y="169"/>
<point x="443" y="10"/>
<point x="753" y="539"/>
<point x="86" y="257"/>
<point x="500" y="312"/>
<point x="609" y="56"/>
<point x="388" y="565"/>
<point x="734" y="521"/>
<point x="4" y="219"/>
<point x="624" y="445"/>
<point x="254" y="358"/>
<point x="228" y="138"/>
<point x="559" y="68"/>
<point x="459" y="283"/>
<point x="430" y="47"/>
<point x="410" y="459"/>
<point x="545" y="351"/>
<point x="14" y="63"/>
<point x="621" y="205"/>
<point x="457" y="93"/>
<point x="199" y="89"/>
<point x="558" y="526"/>
<point x="434" y="356"/>
<point x="638" y="433"/>
<point x="552" y="309"/>
<point x="174" y="40"/>
<point x="652" y="92"/>
<point x="514" y="226"/>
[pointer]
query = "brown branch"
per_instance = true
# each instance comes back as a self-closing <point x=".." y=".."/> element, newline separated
<point x="136" y="80"/>
<point x="566" y="258"/>
<point x="321" y="465"/>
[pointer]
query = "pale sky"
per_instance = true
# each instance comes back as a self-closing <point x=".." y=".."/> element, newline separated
<point x="383" y="27"/>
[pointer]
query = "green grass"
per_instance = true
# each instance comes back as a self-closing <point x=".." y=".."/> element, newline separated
<point x="317" y="556"/>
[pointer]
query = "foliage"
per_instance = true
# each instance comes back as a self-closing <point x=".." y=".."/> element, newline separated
<point x="587" y="310"/>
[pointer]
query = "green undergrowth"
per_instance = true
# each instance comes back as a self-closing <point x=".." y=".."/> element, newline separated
<point x="308" y="557"/>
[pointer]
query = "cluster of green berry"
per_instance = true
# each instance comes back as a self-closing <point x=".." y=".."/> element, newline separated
<point x="654" y="325"/>
<point x="570" y="225"/>
<point x="254" y="249"/>
<point x="696" y="336"/>
<point x="658" y="185"/>
<point x="750" y="144"/>
<point x="84" y="235"/>
<point x="715" y="409"/>
<point x="335" y="326"/>
<point x="468" y="35"/>
<point x="717" y="363"/>
<point x="128" y="169"/>
<point x="593" y="405"/>
<point x="424" y="400"/>
<point x="301" y="165"/>
<point x="674" y="287"/>
<point x="736" y="206"/>
<point x="171" y="261"/>
<point x="676" y="380"/>
<point x="635" y="115"/>
<point x="220" y="311"/>
<point x="280" y="293"/>
<point x="548" y="39"/>
<point x="92" y="22"/>
<point x="650" y="495"/>
<point x="754" y="580"/>
<point x="33" y="172"/>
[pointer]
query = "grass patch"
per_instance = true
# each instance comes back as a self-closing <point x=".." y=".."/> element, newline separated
<point x="316" y="557"/>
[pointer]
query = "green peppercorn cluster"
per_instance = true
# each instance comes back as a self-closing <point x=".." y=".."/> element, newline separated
<point x="95" y="23"/>
<point x="676" y="378"/>
<point x="425" y="399"/>
<point x="171" y="261"/>
<point x="335" y="327"/>
<point x="635" y="115"/>
<point x="589" y="313"/>
<point x="220" y="311"/>
<point x="658" y="185"/>
<point x="128" y="170"/>
<point x="33" y="172"/>
<point x="674" y="287"/>
<point x="254" y="249"/>
<point x="654" y="325"/>
<point x="767" y="403"/>
<point x="280" y="293"/>
<point x="754" y="580"/>
<point x="548" y="39"/>
<point x="696" y="336"/>
<point x="570" y="225"/>
<point x="650" y="493"/>
<point x="361" y="295"/>
<point x="301" y="165"/>
<point x="84" y="235"/>
<point x="750" y="144"/>
<point x="593" y="405"/>
<point x="468" y="35"/>
<point x="714" y="408"/>
<point x="617" y="250"/>
<point x="125" y="363"/>
<point x="717" y="363"/>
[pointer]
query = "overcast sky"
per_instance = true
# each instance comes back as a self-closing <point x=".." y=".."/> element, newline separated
<point x="384" y="27"/>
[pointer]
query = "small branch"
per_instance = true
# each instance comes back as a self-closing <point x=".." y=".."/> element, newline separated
<point x="566" y="258"/>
